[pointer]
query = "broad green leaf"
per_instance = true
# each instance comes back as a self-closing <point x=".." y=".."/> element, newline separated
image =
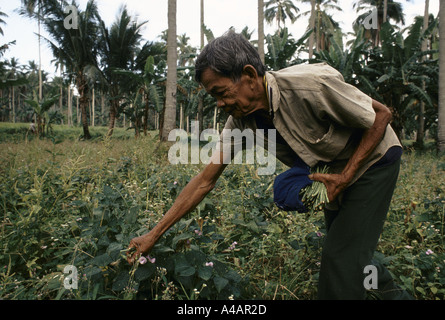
<point x="185" y="271"/>
<point x="121" y="281"/>
<point x="220" y="283"/>
<point x="102" y="260"/>
<point x="205" y="273"/>
<point x="144" y="272"/>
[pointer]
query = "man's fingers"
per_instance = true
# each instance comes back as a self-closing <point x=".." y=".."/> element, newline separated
<point x="131" y="253"/>
<point x="317" y="177"/>
<point x="312" y="176"/>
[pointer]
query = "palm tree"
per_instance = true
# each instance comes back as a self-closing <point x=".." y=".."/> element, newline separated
<point x="261" y="29"/>
<point x="441" y="122"/>
<point x="169" y="122"/>
<point x="393" y="10"/>
<point x="280" y="10"/>
<point x="2" y="14"/>
<point x="12" y="74"/>
<point x="322" y="23"/>
<point x="118" y="50"/>
<point x="29" y="9"/>
<point x="77" y="48"/>
<point x="187" y="53"/>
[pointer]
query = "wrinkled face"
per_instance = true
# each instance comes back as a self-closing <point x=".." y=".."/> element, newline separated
<point x="235" y="98"/>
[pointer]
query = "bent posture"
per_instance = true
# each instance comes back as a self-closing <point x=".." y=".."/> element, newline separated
<point x="319" y="120"/>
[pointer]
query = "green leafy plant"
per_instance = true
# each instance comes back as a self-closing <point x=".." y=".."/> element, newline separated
<point x="40" y="108"/>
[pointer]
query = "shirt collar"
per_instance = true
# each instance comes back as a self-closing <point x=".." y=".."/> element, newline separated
<point x="273" y="94"/>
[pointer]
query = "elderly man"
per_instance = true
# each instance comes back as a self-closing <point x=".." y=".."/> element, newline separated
<point x="319" y="119"/>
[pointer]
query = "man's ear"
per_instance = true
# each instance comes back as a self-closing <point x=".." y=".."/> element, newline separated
<point x="250" y="71"/>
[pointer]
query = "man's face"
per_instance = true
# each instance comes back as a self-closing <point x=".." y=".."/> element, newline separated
<point x="235" y="98"/>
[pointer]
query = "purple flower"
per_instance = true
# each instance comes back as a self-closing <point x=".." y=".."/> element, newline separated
<point x="209" y="264"/>
<point x="232" y="247"/>
<point x="142" y="260"/>
<point x="429" y="251"/>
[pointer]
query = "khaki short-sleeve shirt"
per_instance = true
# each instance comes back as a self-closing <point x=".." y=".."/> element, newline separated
<point x="320" y="116"/>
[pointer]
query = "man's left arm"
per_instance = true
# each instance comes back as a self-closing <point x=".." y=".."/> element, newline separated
<point x="336" y="183"/>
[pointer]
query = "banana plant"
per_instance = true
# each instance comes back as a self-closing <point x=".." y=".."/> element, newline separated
<point x="402" y="71"/>
<point x="282" y="49"/>
<point x="351" y="61"/>
<point x="392" y="73"/>
<point x="145" y="84"/>
<point x="40" y="107"/>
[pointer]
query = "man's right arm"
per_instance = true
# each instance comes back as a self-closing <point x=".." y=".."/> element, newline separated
<point x="192" y="194"/>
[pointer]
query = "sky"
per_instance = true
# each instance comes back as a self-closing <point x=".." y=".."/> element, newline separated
<point x="219" y="16"/>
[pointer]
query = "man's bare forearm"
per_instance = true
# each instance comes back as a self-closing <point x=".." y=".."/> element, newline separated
<point x="370" y="140"/>
<point x="192" y="194"/>
<point x="187" y="200"/>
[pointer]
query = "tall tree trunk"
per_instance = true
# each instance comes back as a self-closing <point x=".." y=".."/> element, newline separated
<point x="93" y="108"/>
<point x="172" y="58"/>
<point x="70" y="107"/>
<point x="114" y="107"/>
<point x="181" y="116"/>
<point x="102" y="108"/>
<point x="112" y="120"/>
<point x="261" y="29"/>
<point x="147" y="103"/>
<point x="201" y="99"/>
<point x="441" y="124"/>
<point x="40" y="56"/>
<point x="317" y="36"/>
<point x="202" y="22"/>
<point x="215" y="114"/>
<point x="421" y="128"/>
<point x="61" y="98"/>
<point x="311" y="27"/>
<point x="137" y="122"/>
<point x="82" y="88"/>
<point x="385" y="10"/>
<point x="77" y="111"/>
<point x="13" y="104"/>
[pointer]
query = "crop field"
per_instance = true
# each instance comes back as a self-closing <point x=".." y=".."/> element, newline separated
<point x="69" y="208"/>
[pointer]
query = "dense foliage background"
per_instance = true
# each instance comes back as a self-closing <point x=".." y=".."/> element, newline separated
<point x="94" y="174"/>
<point x="69" y="202"/>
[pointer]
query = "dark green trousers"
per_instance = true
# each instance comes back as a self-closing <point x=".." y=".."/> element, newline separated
<point x="352" y="235"/>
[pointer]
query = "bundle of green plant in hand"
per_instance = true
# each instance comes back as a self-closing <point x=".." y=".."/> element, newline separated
<point x="315" y="195"/>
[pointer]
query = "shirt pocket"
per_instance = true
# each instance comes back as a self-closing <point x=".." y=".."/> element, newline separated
<point x="327" y="146"/>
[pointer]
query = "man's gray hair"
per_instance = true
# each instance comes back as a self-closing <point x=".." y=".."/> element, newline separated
<point x="228" y="55"/>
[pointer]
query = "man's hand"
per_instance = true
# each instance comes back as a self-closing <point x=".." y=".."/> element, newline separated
<point x="139" y="245"/>
<point x="335" y="183"/>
